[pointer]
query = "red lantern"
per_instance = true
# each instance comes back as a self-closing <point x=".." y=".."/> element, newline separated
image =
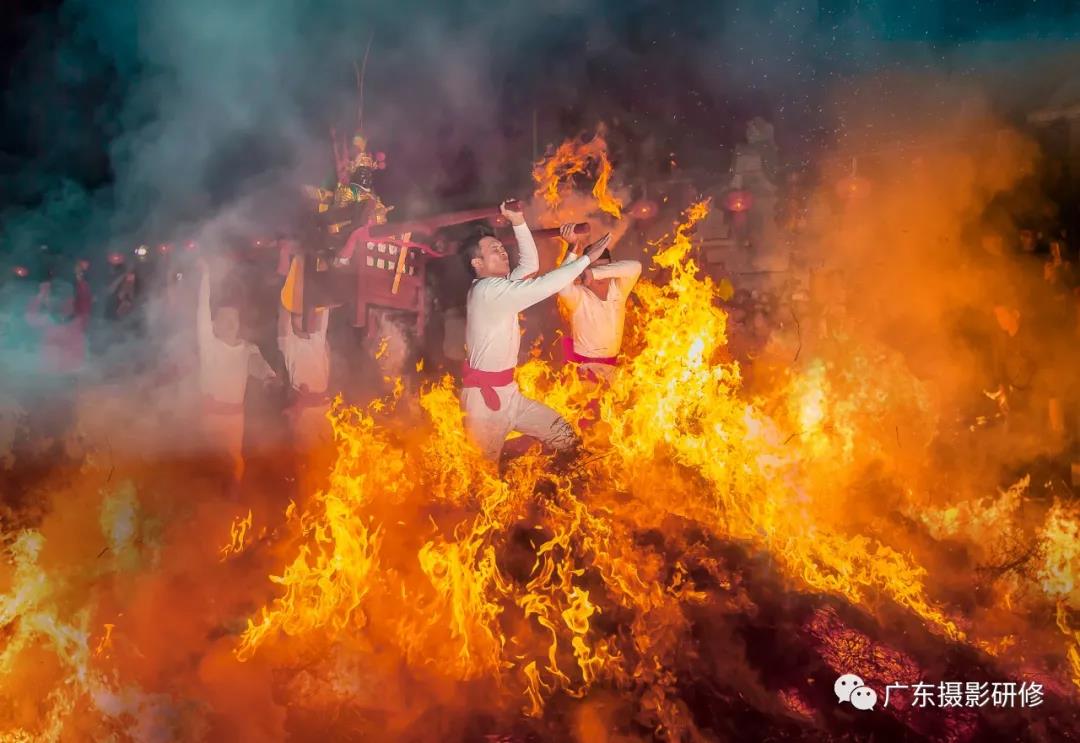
<point x="21" y="271"/>
<point x="643" y="209"/>
<point x="738" y="201"/>
<point x="853" y="187"/>
<point x="115" y="259"/>
<point x="191" y="246"/>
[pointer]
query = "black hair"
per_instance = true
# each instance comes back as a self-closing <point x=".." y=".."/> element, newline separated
<point x="470" y="248"/>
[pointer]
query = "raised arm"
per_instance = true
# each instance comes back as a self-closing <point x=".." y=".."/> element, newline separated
<point x="528" y="258"/>
<point x="284" y="322"/>
<point x="509" y="295"/>
<point x="84" y="302"/>
<point x="204" y="328"/>
<point x="35" y="311"/>
<point x="625" y="272"/>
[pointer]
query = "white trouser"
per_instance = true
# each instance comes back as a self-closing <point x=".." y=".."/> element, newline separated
<point x="489" y="428"/>
<point x="311" y="428"/>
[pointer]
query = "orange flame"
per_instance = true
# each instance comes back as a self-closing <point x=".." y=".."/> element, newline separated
<point x="554" y="175"/>
<point x="238" y="536"/>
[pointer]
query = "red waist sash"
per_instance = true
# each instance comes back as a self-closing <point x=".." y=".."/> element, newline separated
<point x="486" y="382"/>
<point x="571" y="355"/>
<point x="216" y="407"/>
<point x="304" y="398"/>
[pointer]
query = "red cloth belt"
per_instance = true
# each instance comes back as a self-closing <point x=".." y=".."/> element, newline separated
<point x="571" y="355"/>
<point x="216" y="407"/>
<point x="304" y="398"/>
<point x="487" y="382"/>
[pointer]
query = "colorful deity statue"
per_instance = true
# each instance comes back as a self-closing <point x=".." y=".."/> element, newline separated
<point x="351" y="202"/>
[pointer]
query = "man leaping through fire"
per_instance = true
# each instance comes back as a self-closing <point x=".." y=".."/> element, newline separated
<point x="491" y="400"/>
<point x="596" y="305"/>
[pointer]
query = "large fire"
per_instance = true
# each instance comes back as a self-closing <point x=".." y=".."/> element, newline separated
<point x="419" y="579"/>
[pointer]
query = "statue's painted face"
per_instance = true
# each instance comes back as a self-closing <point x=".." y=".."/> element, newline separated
<point x="363" y="178"/>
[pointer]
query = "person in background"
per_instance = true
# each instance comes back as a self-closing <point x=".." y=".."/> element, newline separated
<point x="307" y="363"/>
<point x="61" y="312"/>
<point x="225" y="363"/>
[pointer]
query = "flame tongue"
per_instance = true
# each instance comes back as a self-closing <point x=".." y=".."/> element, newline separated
<point x="555" y="174"/>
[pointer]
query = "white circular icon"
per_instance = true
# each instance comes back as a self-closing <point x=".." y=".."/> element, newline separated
<point x="863" y="698"/>
<point x="846" y="684"/>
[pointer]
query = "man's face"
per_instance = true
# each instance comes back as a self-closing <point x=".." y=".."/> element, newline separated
<point x="1027" y="241"/>
<point x="493" y="260"/>
<point x="227" y="324"/>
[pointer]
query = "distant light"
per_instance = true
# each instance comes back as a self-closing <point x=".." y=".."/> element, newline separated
<point x="644" y="209"/>
<point x="853" y="187"/>
<point x="192" y="245"/>
<point x="115" y="259"/>
<point x="738" y="201"/>
<point x="142" y="251"/>
<point x="21" y="271"/>
<point x="164" y="248"/>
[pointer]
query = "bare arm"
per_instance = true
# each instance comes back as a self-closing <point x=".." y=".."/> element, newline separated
<point x="625" y="272"/>
<point x="203" y="327"/>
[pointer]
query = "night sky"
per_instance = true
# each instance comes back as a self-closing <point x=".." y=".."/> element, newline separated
<point x="127" y="116"/>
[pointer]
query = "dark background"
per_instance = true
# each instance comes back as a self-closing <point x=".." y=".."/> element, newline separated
<point x="129" y="118"/>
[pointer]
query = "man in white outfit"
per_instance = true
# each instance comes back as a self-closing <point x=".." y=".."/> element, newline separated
<point x="225" y="363"/>
<point x="490" y="397"/>
<point x="307" y="360"/>
<point x="596" y="307"/>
